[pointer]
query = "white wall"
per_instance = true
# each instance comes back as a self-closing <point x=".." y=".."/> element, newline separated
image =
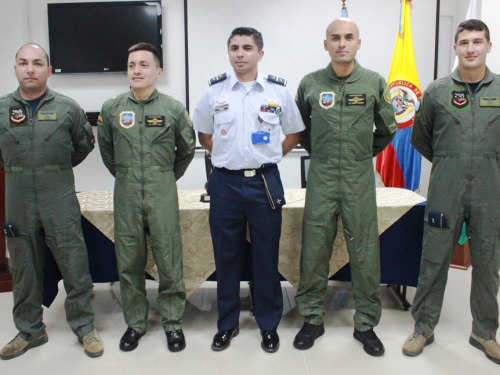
<point x="490" y="14"/>
<point x="293" y="32"/>
<point x="13" y="33"/>
<point x="457" y="9"/>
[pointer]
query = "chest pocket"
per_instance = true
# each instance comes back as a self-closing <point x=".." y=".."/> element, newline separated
<point x="492" y="133"/>
<point x="163" y="148"/>
<point x="270" y="123"/>
<point x="224" y="126"/>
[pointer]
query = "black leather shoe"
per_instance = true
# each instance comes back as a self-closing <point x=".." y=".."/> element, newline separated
<point x="270" y="341"/>
<point x="222" y="339"/>
<point x="175" y="340"/>
<point x="371" y="343"/>
<point x="130" y="339"/>
<point x="307" y="334"/>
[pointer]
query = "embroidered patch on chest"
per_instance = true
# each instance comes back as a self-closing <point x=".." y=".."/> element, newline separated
<point x="327" y="99"/>
<point x="155" y="121"/>
<point x="127" y="119"/>
<point x="47" y="115"/>
<point x="355" y="99"/>
<point x="489" y="101"/>
<point x="18" y="116"/>
<point x="460" y="99"/>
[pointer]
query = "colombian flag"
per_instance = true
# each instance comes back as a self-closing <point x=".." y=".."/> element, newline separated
<point x="399" y="164"/>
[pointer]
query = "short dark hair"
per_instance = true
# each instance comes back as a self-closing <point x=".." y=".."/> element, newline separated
<point x="471" y="25"/>
<point x="147" y="47"/>
<point x="257" y="36"/>
<point x="36" y="45"/>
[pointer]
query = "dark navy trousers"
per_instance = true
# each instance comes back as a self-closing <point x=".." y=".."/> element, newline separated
<point x="234" y="202"/>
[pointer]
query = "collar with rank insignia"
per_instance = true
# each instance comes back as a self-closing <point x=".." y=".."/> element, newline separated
<point x="219" y="78"/>
<point x="278" y="80"/>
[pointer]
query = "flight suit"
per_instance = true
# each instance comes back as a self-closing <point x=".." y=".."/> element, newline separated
<point x="339" y="115"/>
<point x="459" y="132"/>
<point x="38" y="151"/>
<point x="147" y="145"/>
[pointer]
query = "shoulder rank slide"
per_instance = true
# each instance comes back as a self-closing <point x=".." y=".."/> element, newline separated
<point x="219" y="78"/>
<point x="278" y="80"/>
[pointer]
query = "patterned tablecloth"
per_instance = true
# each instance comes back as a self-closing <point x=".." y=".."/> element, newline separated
<point x="198" y="258"/>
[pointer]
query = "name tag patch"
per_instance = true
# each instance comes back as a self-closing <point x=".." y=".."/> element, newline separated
<point x="489" y="101"/>
<point x="355" y="99"/>
<point x="47" y="115"/>
<point x="155" y="121"/>
<point x="18" y="116"/>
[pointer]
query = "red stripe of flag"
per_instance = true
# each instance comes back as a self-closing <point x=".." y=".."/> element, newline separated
<point x="389" y="169"/>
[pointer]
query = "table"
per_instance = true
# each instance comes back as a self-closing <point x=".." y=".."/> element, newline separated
<point x="400" y="221"/>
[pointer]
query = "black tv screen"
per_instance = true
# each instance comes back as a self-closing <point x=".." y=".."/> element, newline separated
<point x="95" y="37"/>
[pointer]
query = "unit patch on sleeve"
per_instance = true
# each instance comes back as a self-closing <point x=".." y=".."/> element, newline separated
<point x="355" y="99"/>
<point x="47" y="115"/>
<point x="155" y="121"/>
<point x="460" y="99"/>
<point x="18" y="116"/>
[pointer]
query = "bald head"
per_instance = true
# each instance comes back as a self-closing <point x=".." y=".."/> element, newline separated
<point x="344" y="24"/>
<point x="342" y="43"/>
<point x="35" y="46"/>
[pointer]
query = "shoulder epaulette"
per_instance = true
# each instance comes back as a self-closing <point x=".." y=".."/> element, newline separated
<point x="4" y="96"/>
<point x="219" y="78"/>
<point x="278" y="80"/>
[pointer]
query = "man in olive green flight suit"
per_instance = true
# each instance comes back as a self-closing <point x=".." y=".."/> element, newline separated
<point x="457" y="128"/>
<point x="43" y="134"/>
<point x="147" y="142"/>
<point x="339" y="105"/>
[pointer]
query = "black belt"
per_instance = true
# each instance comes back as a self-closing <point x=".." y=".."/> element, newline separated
<point x="249" y="172"/>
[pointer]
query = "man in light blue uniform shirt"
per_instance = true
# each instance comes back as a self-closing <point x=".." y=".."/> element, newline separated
<point x="239" y="118"/>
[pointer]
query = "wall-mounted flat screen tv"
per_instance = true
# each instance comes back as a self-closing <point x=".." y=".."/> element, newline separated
<point x="95" y="37"/>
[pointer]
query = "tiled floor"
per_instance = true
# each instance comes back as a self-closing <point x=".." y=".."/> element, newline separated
<point x="335" y="353"/>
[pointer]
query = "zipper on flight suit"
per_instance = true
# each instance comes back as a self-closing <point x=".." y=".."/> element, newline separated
<point x="472" y="141"/>
<point x="32" y="139"/>
<point x="342" y="84"/>
<point x="141" y="153"/>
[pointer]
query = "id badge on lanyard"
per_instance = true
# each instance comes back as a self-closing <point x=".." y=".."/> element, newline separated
<point x="260" y="137"/>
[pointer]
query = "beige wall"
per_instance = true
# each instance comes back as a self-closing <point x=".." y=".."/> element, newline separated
<point x="490" y="14"/>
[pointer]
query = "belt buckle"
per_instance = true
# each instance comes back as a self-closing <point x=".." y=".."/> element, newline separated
<point x="250" y="173"/>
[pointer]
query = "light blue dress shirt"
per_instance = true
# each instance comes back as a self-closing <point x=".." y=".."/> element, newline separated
<point x="231" y="112"/>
